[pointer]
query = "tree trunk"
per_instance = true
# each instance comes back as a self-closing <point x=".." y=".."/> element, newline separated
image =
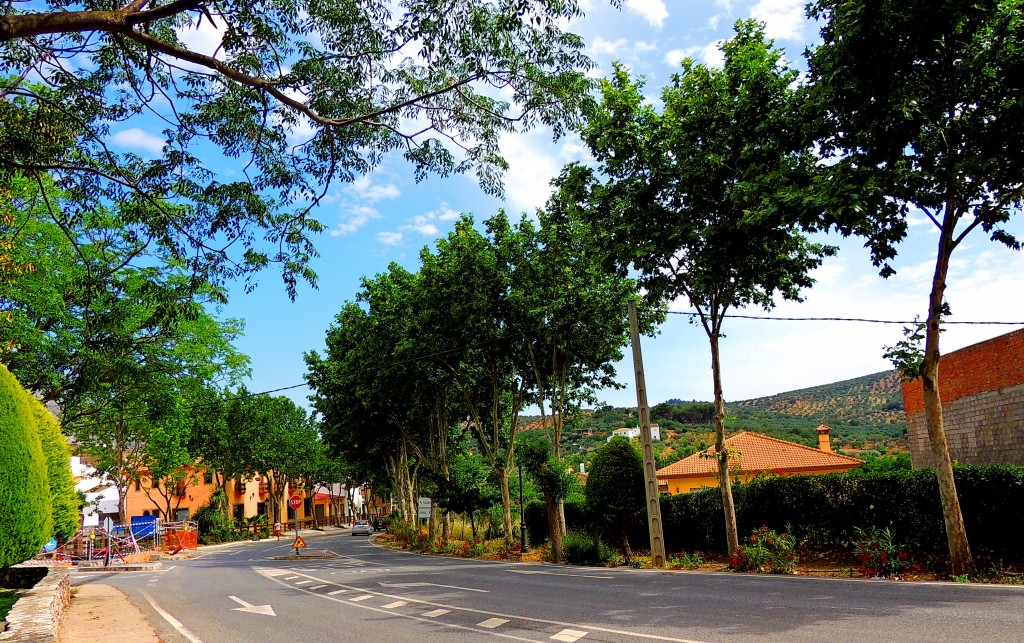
<point x="506" y="503"/>
<point x="728" y="507"/>
<point x="956" y="534"/>
<point x="627" y="551"/>
<point x="554" y="532"/>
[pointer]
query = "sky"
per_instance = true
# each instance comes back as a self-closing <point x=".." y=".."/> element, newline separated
<point x="387" y="217"/>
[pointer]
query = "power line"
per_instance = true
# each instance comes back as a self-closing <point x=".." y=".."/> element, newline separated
<point x="853" y="319"/>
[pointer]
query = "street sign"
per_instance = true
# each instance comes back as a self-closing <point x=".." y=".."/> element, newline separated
<point x="299" y="543"/>
<point x="108" y="525"/>
<point x="423" y="507"/>
<point x="295" y="501"/>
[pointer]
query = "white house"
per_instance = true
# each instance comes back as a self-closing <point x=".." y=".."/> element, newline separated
<point x="629" y="434"/>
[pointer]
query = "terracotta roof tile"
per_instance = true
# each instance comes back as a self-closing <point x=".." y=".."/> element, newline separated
<point x="757" y="453"/>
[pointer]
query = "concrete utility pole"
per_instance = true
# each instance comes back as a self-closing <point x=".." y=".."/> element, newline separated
<point x="650" y="476"/>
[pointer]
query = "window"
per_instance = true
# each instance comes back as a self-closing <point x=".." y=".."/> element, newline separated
<point x="181" y="514"/>
<point x="207" y="477"/>
<point x="138" y="484"/>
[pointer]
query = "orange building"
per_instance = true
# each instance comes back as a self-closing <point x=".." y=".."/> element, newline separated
<point x="753" y="454"/>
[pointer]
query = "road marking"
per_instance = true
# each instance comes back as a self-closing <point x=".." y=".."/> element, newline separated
<point x="527" y="571"/>
<point x="175" y="623"/>
<point x="266" y="610"/>
<point x="436" y="613"/>
<point x="391" y="606"/>
<point x="569" y="636"/>
<point x="303" y="582"/>
<point x="492" y="623"/>
<point x="273" y="573"/>
<point x="293" y="577"/>
<point x="337" y="591"/>
<point x="316" y="586"/>
<point x="632" y="635"/>
<point x="404" y="585"/>
<point x="356" y="599"/>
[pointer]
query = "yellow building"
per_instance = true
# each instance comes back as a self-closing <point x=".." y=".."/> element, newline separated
<point x="753" y="454"/>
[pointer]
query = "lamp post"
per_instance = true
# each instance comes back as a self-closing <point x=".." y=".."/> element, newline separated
<point x="522" y="517"/>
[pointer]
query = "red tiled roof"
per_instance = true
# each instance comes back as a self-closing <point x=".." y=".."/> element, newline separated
<point x="756" y="453"/>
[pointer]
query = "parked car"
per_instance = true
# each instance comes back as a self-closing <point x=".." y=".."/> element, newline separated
<point x="362" y="528"/>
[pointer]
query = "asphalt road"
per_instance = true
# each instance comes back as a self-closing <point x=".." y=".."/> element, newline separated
<point x="239" y="592"/>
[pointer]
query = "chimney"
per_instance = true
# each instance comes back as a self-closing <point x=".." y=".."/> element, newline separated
<point x="824" y="443"/>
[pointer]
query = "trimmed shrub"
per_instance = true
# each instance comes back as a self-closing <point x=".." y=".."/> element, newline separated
<point x="825" y="511"/>
<point x="583" y="549"/>
<point x="25" y="512"/>
<point x="64" y="498"/>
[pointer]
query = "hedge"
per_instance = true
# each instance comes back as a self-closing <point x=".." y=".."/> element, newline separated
<point x="64" y="500"/>
<point x="824" y="511"/>
<point x="25" y="512"/>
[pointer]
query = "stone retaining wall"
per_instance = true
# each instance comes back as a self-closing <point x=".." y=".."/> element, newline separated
<point x="37" y="614"/>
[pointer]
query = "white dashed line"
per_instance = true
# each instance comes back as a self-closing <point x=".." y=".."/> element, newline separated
<point x="293" y="577"/>
<point x="569" y="636"/>
<point x="356" y="599"/>
<point x="392" y="606"/>
<point x="337" y="591"/>
<point x="492" y="623"/>
<point x="436" y="613"/>
<point x="315" y="586"/>
<point x="303" y="582"/>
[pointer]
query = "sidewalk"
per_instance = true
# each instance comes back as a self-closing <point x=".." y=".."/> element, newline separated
<point x="99" y="613"/>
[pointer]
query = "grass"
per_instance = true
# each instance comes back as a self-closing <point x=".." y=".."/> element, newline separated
<point x="8" y="598"/>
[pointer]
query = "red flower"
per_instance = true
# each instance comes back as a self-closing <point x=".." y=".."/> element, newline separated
<point x="903" y="555"/>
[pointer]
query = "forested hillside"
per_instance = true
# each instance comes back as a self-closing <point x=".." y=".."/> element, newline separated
<point x="865" y="414"/>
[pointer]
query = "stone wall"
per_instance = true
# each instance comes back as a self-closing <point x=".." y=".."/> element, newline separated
<point x="982" y="390"/>
<point x="37" y="614"/>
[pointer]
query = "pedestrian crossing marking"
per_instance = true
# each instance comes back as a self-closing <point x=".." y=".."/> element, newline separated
<point x="569" y="636"/>
<point x="492" y="623"/>
<point x="436" y="613"/>
<point x="394" y="605"/>
<point x="356" y="599"/>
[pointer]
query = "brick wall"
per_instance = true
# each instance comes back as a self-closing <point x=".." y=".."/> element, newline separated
<point x="982" y="389"/>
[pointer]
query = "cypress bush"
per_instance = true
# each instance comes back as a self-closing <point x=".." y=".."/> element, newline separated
<point x="64" y="499"/>
<point x="25" y="512"/>
<point x="825" y="511"/>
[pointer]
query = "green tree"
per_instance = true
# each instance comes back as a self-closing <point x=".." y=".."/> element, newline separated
<point x="301" y="93"/>
<point x="24" y="485"/>
<point x="615" y="488"/>
<point x="537" y="457"/>
<point x="699" y="198"/>
<point x="64" y="499"/>
<point x="939" y="133"/>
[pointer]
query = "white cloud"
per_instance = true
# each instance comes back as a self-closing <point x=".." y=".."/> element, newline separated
<point x="445" y="213"/>
<point x="643" y="45"/>
<point x="712" y="54"/>
<point x="784" y="19"/>
<point x="353" y="219"/>
<point x="135" y="138"/>
<point x="390" y="238"/>
<point x="421" y="224"/>
<point x="364" y="188"/>
<point x="609" y="47"/>
<point x="534" y="159"/>
<point x="675" y="57"/>
<point x="653" y="11"/>
<point x="714" y="20"/>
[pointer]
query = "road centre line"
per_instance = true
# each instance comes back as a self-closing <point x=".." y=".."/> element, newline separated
<point x="468" y="610"/>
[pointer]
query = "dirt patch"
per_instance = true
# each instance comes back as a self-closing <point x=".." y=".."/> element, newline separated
<point x="97" y="610"/>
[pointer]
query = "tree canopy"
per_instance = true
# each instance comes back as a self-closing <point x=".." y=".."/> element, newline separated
<point x="297" y="94"/>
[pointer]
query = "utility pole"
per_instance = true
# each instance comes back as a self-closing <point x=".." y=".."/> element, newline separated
<point x="650" y="475"/>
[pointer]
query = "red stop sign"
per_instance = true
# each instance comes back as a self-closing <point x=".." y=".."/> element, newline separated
<point x="295" y="502"/>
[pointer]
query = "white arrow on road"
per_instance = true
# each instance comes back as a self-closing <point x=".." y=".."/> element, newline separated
<point x="468" y="589"/>
<point x="249" y="607"/>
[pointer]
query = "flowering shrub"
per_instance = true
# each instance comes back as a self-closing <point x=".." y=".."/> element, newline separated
<point x="766" y="551"/>
<point x="686" y="561"/>
<point x="879" y="555"/>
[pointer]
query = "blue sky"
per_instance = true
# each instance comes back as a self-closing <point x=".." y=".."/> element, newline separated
<point x="387" y="216"/>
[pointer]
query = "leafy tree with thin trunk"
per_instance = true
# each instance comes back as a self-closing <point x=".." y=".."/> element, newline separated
<point x="615" y="489"/>
<point x="698" y="198"/>
<point x="917" y="109"/>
